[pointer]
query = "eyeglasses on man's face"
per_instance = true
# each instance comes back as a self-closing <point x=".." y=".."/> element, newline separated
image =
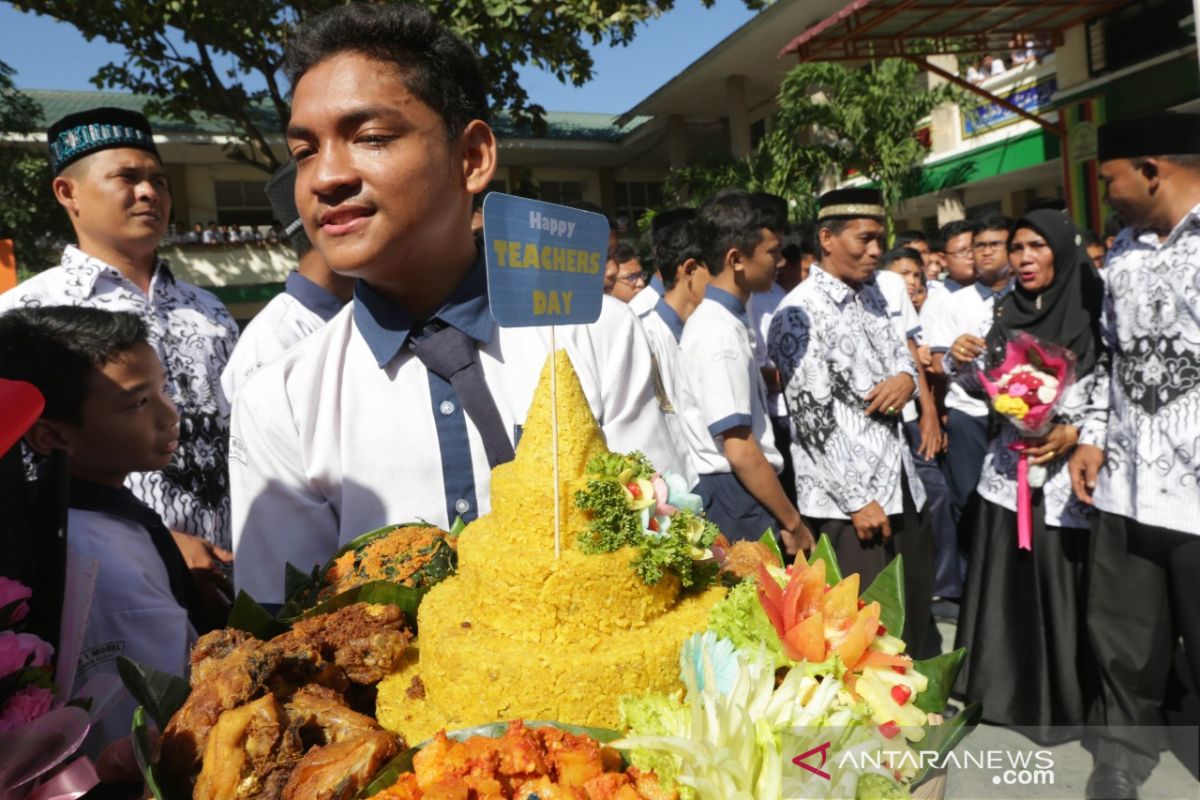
<point x="633" y="279"/>
<point x="994" y="244"/>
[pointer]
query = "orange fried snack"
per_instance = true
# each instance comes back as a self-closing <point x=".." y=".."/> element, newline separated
<point x="547" y="762"/>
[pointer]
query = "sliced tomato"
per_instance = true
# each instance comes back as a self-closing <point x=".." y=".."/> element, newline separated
<point x="860" y="635"/>
<point x="772" y="611"/>
<point x="792" y="598"/>
<point x="812" y="592"/>
<point x="807" y="639"/>
<point x="841" y="602"/>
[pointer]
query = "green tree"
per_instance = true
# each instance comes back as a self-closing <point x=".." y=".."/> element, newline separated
<point x="29" y="214"/>
<point x="221" y="58"/>
<point x="863" y="120"/>
<point x="793" y="174"/>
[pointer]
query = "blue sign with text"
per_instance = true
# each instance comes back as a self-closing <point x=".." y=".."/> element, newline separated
<point x="990" y="116"/>
<point x="545" y="262"/>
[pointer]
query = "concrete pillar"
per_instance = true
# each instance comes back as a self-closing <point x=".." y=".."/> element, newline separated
<point x="676" y="142"/>
<point x="951" y="206"/>
<point x="739" y="118"/>
<point x="1071" y="58"/>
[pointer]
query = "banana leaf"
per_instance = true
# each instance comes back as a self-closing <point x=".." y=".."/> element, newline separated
<point x="403" y="763"/>
<point x="945" y="737"/>
<point x="160" y="693"/>
<point x="824" y="551"/>
<point x="407" y="597"/>
<point x="247" y="615"/>
<point x="768" y="541"/>
<point x="143" y="753"/>
<point x="941" y="672"/>
<point x="888" y="590"/>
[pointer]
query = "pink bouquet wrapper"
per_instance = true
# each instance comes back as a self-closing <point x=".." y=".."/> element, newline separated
<point x="1051" y="359"/>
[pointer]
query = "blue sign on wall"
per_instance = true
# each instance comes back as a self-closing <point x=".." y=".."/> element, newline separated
<point x="990" y="116"/>
<point x="545" y="262"/>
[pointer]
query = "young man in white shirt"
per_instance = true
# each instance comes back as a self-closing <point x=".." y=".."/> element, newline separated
<point x="107" y="409"/>
<point x="798" y="258"/>
<point x="847" y="375"/>
<point x="111" y="183"/>
<point x="313" y="294"/>
<point x="400" y="406"/>
<point x="724" y="398"/>
<point x="957" y="327"/>
<point x="1140" y="468"/>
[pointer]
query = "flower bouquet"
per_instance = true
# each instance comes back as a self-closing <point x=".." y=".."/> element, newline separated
<point x="1026" y="390"/>
<point x="38" y="732"/>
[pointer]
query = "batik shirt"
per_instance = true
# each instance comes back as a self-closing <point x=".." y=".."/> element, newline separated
<point x="1151" y="387"/>
<point x="194" y="335"/>
<point x="832" y="345"/>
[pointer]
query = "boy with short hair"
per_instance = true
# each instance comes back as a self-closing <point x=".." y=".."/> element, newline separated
<point x="107" y="408"/>
<point x="724" y="398"/>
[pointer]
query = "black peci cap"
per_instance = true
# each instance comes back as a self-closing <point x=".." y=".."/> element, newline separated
<point x="86" y="132"/>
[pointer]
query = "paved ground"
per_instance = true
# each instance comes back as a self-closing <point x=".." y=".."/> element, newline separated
<point x="1174" y="779"/>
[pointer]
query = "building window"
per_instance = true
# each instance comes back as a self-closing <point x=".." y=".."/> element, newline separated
<point x="243" y="203"/>
<point x="634" y="198"/>
<point x="563" y="192"/>
<point x="1135" y="32"/>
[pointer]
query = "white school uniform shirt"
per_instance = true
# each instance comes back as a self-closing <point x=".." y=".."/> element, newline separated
<point x="967" y="309"/>
<point x="833" y="344"/>
<point x="644" y="301"/>
<point x="1148" y="390"/>
<point x="762" y="309"/>
<point x="664" y="328"/>
<point x="133" y="612"/>
<point x="719" y="382"/>
<point x="300" y="309"/>
<point x="348" y="431"/>
<point x="905" y="321"/>
<point x="193" y="334"/>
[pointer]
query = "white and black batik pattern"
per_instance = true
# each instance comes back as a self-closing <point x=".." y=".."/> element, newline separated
<point x="194" y="335"/>
<point x="1150" y="383"/>
<point x="832" y="345"/>
<point x="998" y="480"/>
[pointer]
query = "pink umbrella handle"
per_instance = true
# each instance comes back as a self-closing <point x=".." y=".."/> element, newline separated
<point x="1024" y="505"/>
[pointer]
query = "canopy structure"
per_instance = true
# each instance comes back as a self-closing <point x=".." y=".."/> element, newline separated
<point x="915" y="29"/>
<point x="865" y="29"/>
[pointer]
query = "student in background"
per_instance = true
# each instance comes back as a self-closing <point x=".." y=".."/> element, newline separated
<point x="724" y="398"/>
<point x="312" y="295"/>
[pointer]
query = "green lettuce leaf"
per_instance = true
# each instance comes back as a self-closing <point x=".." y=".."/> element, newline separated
<point x="739" y="617"/>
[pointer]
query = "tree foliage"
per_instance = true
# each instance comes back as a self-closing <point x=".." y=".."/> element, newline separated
<point x="29" y="214"/>
<point x="830" y="120"/>
<point x="858" y="119"/>
<point x="221" y="58"/>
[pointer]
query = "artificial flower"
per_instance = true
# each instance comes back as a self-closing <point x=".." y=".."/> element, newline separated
<point x="16" y="650"/>
<point x="25" y="706"/>
<point x="14" y="592"/>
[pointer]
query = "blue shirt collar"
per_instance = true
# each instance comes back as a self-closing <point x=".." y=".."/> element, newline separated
<point x="320" y="301"/>
<point x="951" y="285"/>
<point x="671" y="317"/>
<point x="386" y="326"/>
<point x="727" y="302"/>
<point x="988" y="294"/>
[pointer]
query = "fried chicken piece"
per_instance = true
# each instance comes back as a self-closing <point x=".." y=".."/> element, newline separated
<point x="242" y="755"/>
<point x="367" y="641"/>
<point x="340" y="770"/>
<point x="230" y="671"/>
<point x="318" y="708"/>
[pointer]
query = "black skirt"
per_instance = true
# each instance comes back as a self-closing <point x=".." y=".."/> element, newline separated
<point x="1023" y="623"/>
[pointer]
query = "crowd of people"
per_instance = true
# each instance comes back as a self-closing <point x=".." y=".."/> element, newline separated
<point x="807" y="379"/>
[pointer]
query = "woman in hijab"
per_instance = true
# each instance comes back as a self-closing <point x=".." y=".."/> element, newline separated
<point x="1022" y="618"/>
